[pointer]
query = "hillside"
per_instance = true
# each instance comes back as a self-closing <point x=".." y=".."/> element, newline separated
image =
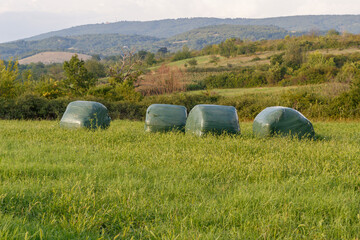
<point x="104" y="44"/>
<point x="109" y="39"/>
<point x="199" y="38"/>
<point x="112" y="44"/>
<point x="171" y="27"/>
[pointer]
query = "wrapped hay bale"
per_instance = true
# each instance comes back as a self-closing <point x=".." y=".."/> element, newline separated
<point x="214" y="119"/>
<point x="284" y="121"/>
<point x="165" y="117"/>
<point x="86" y="114"/>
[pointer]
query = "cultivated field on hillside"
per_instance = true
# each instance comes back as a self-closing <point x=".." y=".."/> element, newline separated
<point x="253" y="59"/>
<point x="52" y="57"/>
<point x="208" y="67"/>
<point x="325" y="89"/>
<point x="122" y="183"/>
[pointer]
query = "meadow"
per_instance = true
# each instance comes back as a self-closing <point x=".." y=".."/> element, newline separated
<point x="123" y="183"/>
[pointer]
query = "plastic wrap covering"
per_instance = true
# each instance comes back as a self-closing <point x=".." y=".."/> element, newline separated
<point x="214" y="119"/>
<point x="165" y="117"/>
<point x="86" y="114"/>
<point x="283" y="121"/>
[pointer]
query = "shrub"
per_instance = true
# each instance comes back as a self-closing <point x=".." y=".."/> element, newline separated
<point x="248" y="106"/>
<point x="192" y="62"/>
<point x="187" y="100"/>
<point x="180" y="55"/>
<point x="195" y="85"/>
<point x="7" y="107"/>
<point x="247" y="77"/>
<point x="8" y="74"/>
<point x="30" y="107"/>
<point x="49" y="88"/>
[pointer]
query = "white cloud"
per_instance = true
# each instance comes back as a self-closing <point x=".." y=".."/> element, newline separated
<point x="160" y="9"/>
<point x="30" y="17"/>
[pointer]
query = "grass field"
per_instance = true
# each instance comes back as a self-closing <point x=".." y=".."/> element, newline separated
<point x="122" y="183"/>
<point x="325" y="89"/>
<point x="247" y="60"/>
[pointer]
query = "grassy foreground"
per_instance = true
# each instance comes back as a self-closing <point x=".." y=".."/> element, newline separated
<point x="122" y="183"/>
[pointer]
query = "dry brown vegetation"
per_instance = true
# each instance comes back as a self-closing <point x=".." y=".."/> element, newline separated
<point x="161" y="81"/>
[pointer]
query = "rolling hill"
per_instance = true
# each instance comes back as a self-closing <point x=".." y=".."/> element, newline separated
<point x="200" y="37"/>
<point x="104" y="44"/>
<point x="109" y="39"/>
<point x="171" y="27"/>
<point x="112" y="44"/>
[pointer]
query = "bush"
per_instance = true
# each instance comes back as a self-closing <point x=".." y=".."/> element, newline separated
<point x="180" y="55"/>
<point x="347" y="105"/>
<point x="55" y="108"/>
<point x="126" y="110"/>
<point x="7" y="107"/>
<point x="192" y="62"/>
<point x="166" y="80"/>
<point x="195" y="85"/>
<point x="248" y="106"/>
<point x="49" y="88"/>
<point x="248" y="77"/>
<point x="343" y="106"/>
<point x="187" y="100"/>
<point x="35" y="107"/>
<point x="30" y="107"/>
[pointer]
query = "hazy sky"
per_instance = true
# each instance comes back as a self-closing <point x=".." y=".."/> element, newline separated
<point x="31" y="17"/>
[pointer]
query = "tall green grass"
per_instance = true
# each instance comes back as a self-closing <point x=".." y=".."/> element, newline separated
<point x="122" y="183"/>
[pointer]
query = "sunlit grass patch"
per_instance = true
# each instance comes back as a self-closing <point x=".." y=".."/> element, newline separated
<point x="123" y="182"/>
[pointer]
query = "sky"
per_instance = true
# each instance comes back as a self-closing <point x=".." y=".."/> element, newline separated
<point x="25" y="18"/>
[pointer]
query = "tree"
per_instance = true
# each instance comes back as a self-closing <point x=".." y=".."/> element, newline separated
<point x="332" y="32"/>
<point x="228" y="48"/>
<point x="78" y="79"/>
<point x="277" y="58"/>
<point x="49" y="88"/>
<point x="8" y="75"/>
<point x="350" y="73"/>
<point x="163" y="50"/>
<point x="96" y="57"/>
<point x="275" y="73"/>
<point x="150" y="59"/>
<point x="142" y="54"/>
<point x="180" y="55"/>
<point x="294" y="55"/>
<point x="124" y="74"/>
<point x="126" y="69"/>
<point x="96" y="68"/>
<point x="214" y="59"/>
<point x="192" y="62"/>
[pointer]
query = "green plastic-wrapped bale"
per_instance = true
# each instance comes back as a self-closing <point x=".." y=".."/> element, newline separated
<point x="165" y="117"/>
<point x="214" y="119"/>
<point x="283" y="121"/>
<point x="85" y="114"/>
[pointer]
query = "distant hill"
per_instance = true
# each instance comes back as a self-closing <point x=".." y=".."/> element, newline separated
<point x="109" y="39"/>
<point x="112" y="44"/>
<point x="52" y="57"/>
<point x="104" y="44"/>
<point x="171" y="27"/>
<point x="200" y="37"/>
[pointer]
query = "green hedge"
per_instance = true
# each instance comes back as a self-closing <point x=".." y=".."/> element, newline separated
<point x="36" y="107"/>
<point x="313" y="106"/>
